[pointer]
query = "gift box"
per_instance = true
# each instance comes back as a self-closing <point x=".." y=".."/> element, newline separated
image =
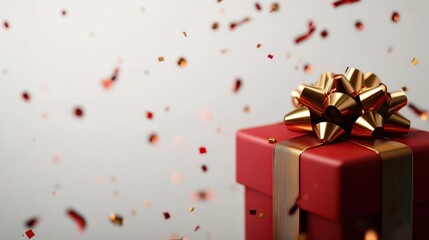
<point x="350" y="188"/>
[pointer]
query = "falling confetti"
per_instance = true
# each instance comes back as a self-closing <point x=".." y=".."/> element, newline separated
<point x="270" y="56"/>
<point x="234" y="25"/>
<point x="161" y="59"/>
<point x="108" y="82"/>
<point x="404" y="88"/>
<point x="224" y="50"/>
<point x="308" y="68"/>
<point x="247" y="109"/>
<point x="26" y="96"/>
<point x="215" y="25"/>
<point x="32" y="222"/>
<point x="203" y="195"/>
<point x="204" y="168"/>
<point x="153" y="138"/>
<point x="395" y="17"/>
<point x="30" y="234"/>
<point x="166" y="215"/>
<point x="422" y="113"/>
<point x="203" y="150"/>
<point x="237" y="85"/>
<point x="324" y="33"/>
<point x="64" y="12"/>
<point x="311" y="29"/>
<point x="116" y="219"/>
<point x="147" y="204"/>
<point x="343" y="2"/>
<point x="258" y="45"/>
<point x="182" y="62"/>
<point x="191" y="209"/>
<point x="415" y="61"/>
<point x="359" y="26"/>
<point x="184" y="34"/>
<point x="78" y="219"/>
<point x="274" y="7"/>
<point x="196" y="228"/>
<point x="78" y="112"/>
<point x="6" y="24"/>
<point x="149" y="115"/>
<point x="252" y="211"/>
<point x="371" y="234"/>
<point x="258" y="6"/>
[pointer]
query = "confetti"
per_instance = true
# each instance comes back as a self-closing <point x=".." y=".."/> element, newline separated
<point x="270" y="56"/>
<point x="258" y="6"/>
<point x="149" y="115"/>
<point x="6" y="24"/>
<point x="415" y="61"/>
<point x="108" y="82"/>
<point x="224" y="50"/>
<point x="237" y="85"/>
<point x="423" y="114"/>
<point x="32" y="222"/>
<point x="311" y="29"/>
<point x="203" y="195"/>
<point x="215" y="26"/>
<point x="147" y="204"/>
<point x="64" y="12"/>
<point x="184" y="34"/>
<point x="324" y="33"/>
<point x="247" y="109"/>
<point x="261" y="215"/>
<point x="153" y="138"/>
<point x="343" y="2"/>
<point x="78" y="112"/>
<point x="78" y="219"/>
<point x="161" y="59"/>
<point x="203" y="150"/>
<point x="274" y="7"/>
<point x="196" y="228"/>
<point x="395" y="17"/>
<point x="252" y="211"/>
<point x="182" y="62"/>
<point x="204" y="168"/>
<point x="191" y="209"/>
<point x="371" y="234"/>
<point x="308" y="68"/>
<point x="404" y="88"/>
<point x="359" y="26"/>
<point x="30" y="234"/>
<point x="26" y="96"/>
<point x="258" y="45"/>
<point x="166" y="215"/>
<point x="116" y="219"/>
<point x="176" y="177"/>
<point x="272" y="140"/>
<point x="233" y="25"/>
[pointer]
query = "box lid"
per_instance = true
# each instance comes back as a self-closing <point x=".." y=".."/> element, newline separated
<point x="338" y="180"/>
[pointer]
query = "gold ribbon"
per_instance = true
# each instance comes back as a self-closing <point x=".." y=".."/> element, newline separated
<point x="396" y="196"/>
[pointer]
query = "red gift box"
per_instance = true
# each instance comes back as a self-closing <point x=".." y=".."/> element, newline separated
<point x="340" y="185"/>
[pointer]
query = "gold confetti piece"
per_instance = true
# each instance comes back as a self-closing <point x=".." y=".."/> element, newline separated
<point x="184" y="34"/>
<point x="147" y="204"/>
<point x="308" y="68"/>
<point x="252" y="211"/>
<point x="182" y="62"/>
<point x="116" y="219"/>
<point x="272" y="140"/>
<point x="247" y="109"/>
<point x="404" y="88"/>
<point x="371" y="234"/>
<point x="261" y="215"/>
<point x="395" y="17"/>
<point x="224" y="50"/>
<point x="275" y="7"/>
<point x="191" y="209"/>
<point x="288" y="55"/>
<point x="215" y="26"/>
<point x="161" y="59"/>
<point x="218" y="1"/>
<point x="415" y="61"/>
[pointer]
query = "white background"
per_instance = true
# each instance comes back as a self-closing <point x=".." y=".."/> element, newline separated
<point x="61" y="61"/>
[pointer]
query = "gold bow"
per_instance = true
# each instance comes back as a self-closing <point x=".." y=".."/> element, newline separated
<point x="351" y="104"/>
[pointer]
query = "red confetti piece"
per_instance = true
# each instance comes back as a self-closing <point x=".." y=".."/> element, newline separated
<point x="78" y="219"/>
<point x="203" y="195"/>
<point x="30" y="234"/>
<point x="311" y="29"/>
<point x="359" y="26"/>
<point x="108" y="82"/>
<point x="153" y="138"/>
<point x="32" y="222"/>
<point x="26" y="96"/>
<point x="258" y="45"/>
<point x="149" y="115"/>
<point x="422" y="113"/>
<point x="308" y="68"/>
<point x="395" y="17"/>
<point x="270" y="56"/>
<point x="258" y="6"/>
<point x="203" y="150"/>
<point x="166" y="215"/>
<point x="196" y="228"/>
<point x="343" y="2"/>
<point x="78" y="112"/>
<point x="237" y="85"/>
<point x="6" y="24"/>
<point x="324" y="33"/>
<point x="204" y="168"/>
<point x="233" y="25"/>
